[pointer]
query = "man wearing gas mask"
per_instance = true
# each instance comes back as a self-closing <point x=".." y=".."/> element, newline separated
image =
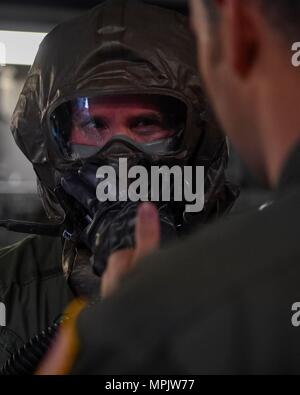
<point x="105" y="86"/>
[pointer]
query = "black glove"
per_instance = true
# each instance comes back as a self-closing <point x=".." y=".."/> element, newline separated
<point x="112" y="224"/>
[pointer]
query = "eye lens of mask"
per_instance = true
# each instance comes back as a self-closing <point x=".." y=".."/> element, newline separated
<point x="84" y="126"/>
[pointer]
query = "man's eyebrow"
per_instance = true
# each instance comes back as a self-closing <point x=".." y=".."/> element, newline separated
<point x="157" y="115"/>
<point x="92" y="116"/>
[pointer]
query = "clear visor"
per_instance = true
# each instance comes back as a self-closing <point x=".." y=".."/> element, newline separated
<point x="84" y="126"/>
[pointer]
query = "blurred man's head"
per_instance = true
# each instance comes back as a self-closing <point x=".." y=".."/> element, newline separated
<point x="245" y="57"/>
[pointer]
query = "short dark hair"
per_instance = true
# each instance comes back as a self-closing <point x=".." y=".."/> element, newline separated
<point x="283" y="14"/>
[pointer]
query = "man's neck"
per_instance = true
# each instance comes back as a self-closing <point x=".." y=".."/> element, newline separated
<point x="279" y="123"/>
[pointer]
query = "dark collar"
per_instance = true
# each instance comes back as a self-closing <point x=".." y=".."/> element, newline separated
<point x="290" y="175"/>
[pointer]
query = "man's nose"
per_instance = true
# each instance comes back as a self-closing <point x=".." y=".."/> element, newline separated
<point x="121" y="130"/>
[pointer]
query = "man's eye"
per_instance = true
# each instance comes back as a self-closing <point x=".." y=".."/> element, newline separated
<point x="95" y="123"/>
<point x="99" y="124"/>
<point x="146" y="123"/>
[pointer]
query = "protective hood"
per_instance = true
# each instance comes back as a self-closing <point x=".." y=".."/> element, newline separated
<point x="121" y="46"/>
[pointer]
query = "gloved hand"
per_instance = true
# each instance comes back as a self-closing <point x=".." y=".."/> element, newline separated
<point x="112" y="224"/>
<point x="78" y="271"/>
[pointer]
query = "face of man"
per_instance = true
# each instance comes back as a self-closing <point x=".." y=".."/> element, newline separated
<point x="140" y="118"/>
<point x="225" y="59"/>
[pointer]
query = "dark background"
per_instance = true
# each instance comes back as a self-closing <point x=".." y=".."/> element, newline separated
<point x="18" y="198"/>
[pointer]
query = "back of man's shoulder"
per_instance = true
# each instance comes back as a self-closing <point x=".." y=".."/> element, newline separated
<point x="219" y="301"/>
<point x="257" y="244"/>
<point x="237" y="282"/>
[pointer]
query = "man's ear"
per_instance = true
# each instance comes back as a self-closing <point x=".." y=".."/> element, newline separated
<point x="241" y="35"/>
